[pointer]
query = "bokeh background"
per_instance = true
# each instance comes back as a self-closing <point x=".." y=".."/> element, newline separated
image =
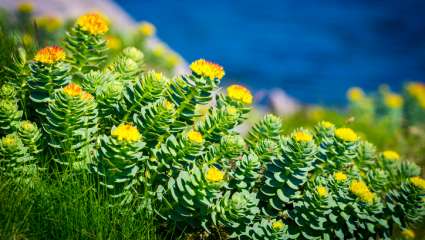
<point x="314" y="50"/>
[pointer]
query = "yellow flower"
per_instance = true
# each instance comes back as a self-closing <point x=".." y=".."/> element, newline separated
<point x="340" y="176"/>
<point x="126" y="132"/>
<point x="391" y="155"/>
<point x="322" y="191"/>
<point x="168" y="105"/>
<point x="231" y="110"/>
<point x="49" y="55"/>
<point x="73" y="90"/>
<point x="360" y="189"/>
<point x="208" y="69"/>
<point x="327" y="124"/>
<point x="415" y="89"/>
<point x="93" y="23"/>
<point x="25" y="7"/>
<point x="194" y="136"/>
<point x="392" y="100"/>
<point x="173" y="59"/>
<point x="27" y="39"/>
<point x="355" y="94"/>
<point x="158" y="76"/>
<point x="158" y="50"/>
<point x="239" y="93"/>
<point x="278" y="225"/>
<point x="86" y="96"/>
<point x="27" y="125"/>
<point x="113" y="42"/>
<point x="346" y="134"/>
<point x="9" y="140"/>
<point x="408" y="233"/>
<point x="418" y="182"/>
<point x="214" y="175"/>
<point x="147" y="29"/>
<point x="50" y="23"/>
<point x="302" y="136"/>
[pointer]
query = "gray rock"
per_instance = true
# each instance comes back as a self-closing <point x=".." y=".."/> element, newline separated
<point x="281" y="103"/>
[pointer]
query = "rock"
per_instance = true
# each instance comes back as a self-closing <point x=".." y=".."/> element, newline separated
<point x="281" y="103"/>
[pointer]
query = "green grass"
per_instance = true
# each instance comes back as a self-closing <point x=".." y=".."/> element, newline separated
<point x="68" y="206"/>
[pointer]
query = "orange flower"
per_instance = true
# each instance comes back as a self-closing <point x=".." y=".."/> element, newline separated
<point x="72" y="90"/>
<point x="94" y="23"/>
<point x="208" y="69"/>
<point x="49" y="55"/>
<point x="239" y="93"/>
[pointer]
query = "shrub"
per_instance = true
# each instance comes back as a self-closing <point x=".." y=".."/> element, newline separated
<point x="139" y="137"/>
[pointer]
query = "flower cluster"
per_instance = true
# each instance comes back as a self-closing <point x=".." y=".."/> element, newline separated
<point x="355" y="94"/>
<point x="391" y="155"/>
<point x="93" y="23"/>
<point x="207" y="69"/>
<point x="126" y="132"/>
<point x="346" y="134"/>
<point x="360" y="189"/>
<point x="239" y="93"/>
<point x="147" y="29"/>
<point x="302" y="136"/>
<point x="340" y="176"/>
<point x="214" y="175"/>
<point x="393" y="100"/>
<point x="418" y="182"/>
<point x="50" y="55"/>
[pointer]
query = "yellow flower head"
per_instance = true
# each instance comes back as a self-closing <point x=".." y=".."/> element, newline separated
<point x="278" y="225"/>
<point x="340" y="176"/>
<point x="391" y="155"/>
<point x="126" y="132"/>
<point x="27" y="125"/>
<point x="147" y="29"/>
<point x="239" y="93"/>
<point x="25" y="7"/>
<point x="327" y="124"/>
<point x="418" y="182"/>
<point x="172" y="59"/>
<point x="168" y="105"/>
<point x="302" y="136"/>
<point x="73" y="90"/>
<point x="415" y="89"/>
<point x="195" y="136"/>
<point x="49" y="55"/>
<point x="208" y="69"/>
<point x="408" y="233"/>
<point x="50" y="23"/>
<point x="322" y="191"/>
<point x="214" y="175"/>
<point x="355" y="94"/>
<point x="231" y="110"/>
<point x="159" y="50"/>
<point x="86" y="96"/>
<point x="360" y="189"/>
<point x="392" y="100"/>
<point x="113" y="42"/>
<point x="346" y="134"/>
<point x="93" y="23"/>
<point x="9" y="140"/>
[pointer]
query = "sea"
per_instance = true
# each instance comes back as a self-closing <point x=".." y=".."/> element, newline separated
<point x="313" y="50"/>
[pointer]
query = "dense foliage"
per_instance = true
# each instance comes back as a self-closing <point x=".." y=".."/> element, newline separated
<point x="140" y="139"/>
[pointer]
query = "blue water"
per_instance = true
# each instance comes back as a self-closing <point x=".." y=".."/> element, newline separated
<point x="314" y="50"/>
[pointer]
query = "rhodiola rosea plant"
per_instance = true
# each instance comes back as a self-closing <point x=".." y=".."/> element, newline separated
<point x="140" y="137"/>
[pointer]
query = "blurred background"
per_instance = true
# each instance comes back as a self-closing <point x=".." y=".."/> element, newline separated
<point x="314" y="50"/>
